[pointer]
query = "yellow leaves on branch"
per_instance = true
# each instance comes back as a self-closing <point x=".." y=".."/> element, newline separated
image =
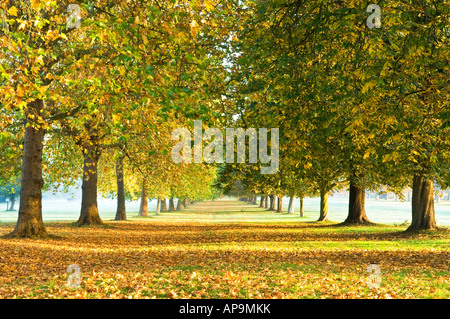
<point x="194" y="28"/>
<point x="209" y="5"/>
<point x="368" y="86"/>
<point x="12" y="11"/>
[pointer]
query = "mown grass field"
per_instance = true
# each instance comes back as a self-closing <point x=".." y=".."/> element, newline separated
<point x="225" y="249"/>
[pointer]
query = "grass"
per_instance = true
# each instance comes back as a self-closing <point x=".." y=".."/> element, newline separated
<point x="225" y="249"/>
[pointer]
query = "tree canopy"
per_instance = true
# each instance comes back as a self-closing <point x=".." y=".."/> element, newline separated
<point x="92" y="90"/>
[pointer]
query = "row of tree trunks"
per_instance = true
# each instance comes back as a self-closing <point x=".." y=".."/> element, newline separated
<point x="30" y="222"/>
<point x="251" y="199"/>
<point x="161" y="203"/>
<point x="264" y="200"/>
<point x="182" y="203"/>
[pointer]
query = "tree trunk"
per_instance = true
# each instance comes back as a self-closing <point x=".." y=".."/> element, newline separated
<point x="323" y="205"/>
<point x="179" y="205"/>
<point x="423" y="217"/>
<point x="291" y="205"/>
<point x="302" y="210"/>
<point x="266" y="202"/>
<point x="121" y="209"/>
<point x="89" y="209"/>
<point x="255" y="200"/>
<point x="163" y="205"/>
<point x="143" y="208"/>
<point x="158" y="206"/>
<point x="356" y="207"/>
<point x="261" y="201"/>
<point x="186" y="202"/>
<point x="280" y="204"/>
<point x="30" y="222"/>
<point x="12" y="199"/>
<point x="171" y="204"/>
<point x="272" y="202"/>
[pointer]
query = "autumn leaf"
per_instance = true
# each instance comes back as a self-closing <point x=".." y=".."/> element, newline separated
<point x="12" y="11"/>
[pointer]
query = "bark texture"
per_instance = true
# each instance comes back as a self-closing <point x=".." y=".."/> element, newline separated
<point x="171" y="204"/>
<point x="280" y="204"/>
<point x="89" y="209"/>
<point x="12" y="200"/>
<point x="29" y="222"/>
<point x="261" y="201"/>
<point x="272" y="202"/>
<point x="163" y="205"/>
<point x="323" y="205"/>
<point x="158" y="206"/>
<point x="121" y="213"/>
<point x="356" y="205"/>
<point x="302" y="210"/>
<point x="423" y="215"/>
<point x="143" y="208"/>
<point x="291" y="205"/>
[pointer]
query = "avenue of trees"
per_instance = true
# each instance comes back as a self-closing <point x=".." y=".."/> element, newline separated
<point x="97" y="101"/>
<point x="360" y="108"/>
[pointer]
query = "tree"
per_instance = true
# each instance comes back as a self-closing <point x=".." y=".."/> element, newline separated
<point x="11" y="192"/>
<point x="143" y="208"/>
<point x="34" y="41"/>
<point x="121" y="209"/>
<point x="415" y="78"/>
<point x="10" y="153"/>
<point x="41" y="54"/>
